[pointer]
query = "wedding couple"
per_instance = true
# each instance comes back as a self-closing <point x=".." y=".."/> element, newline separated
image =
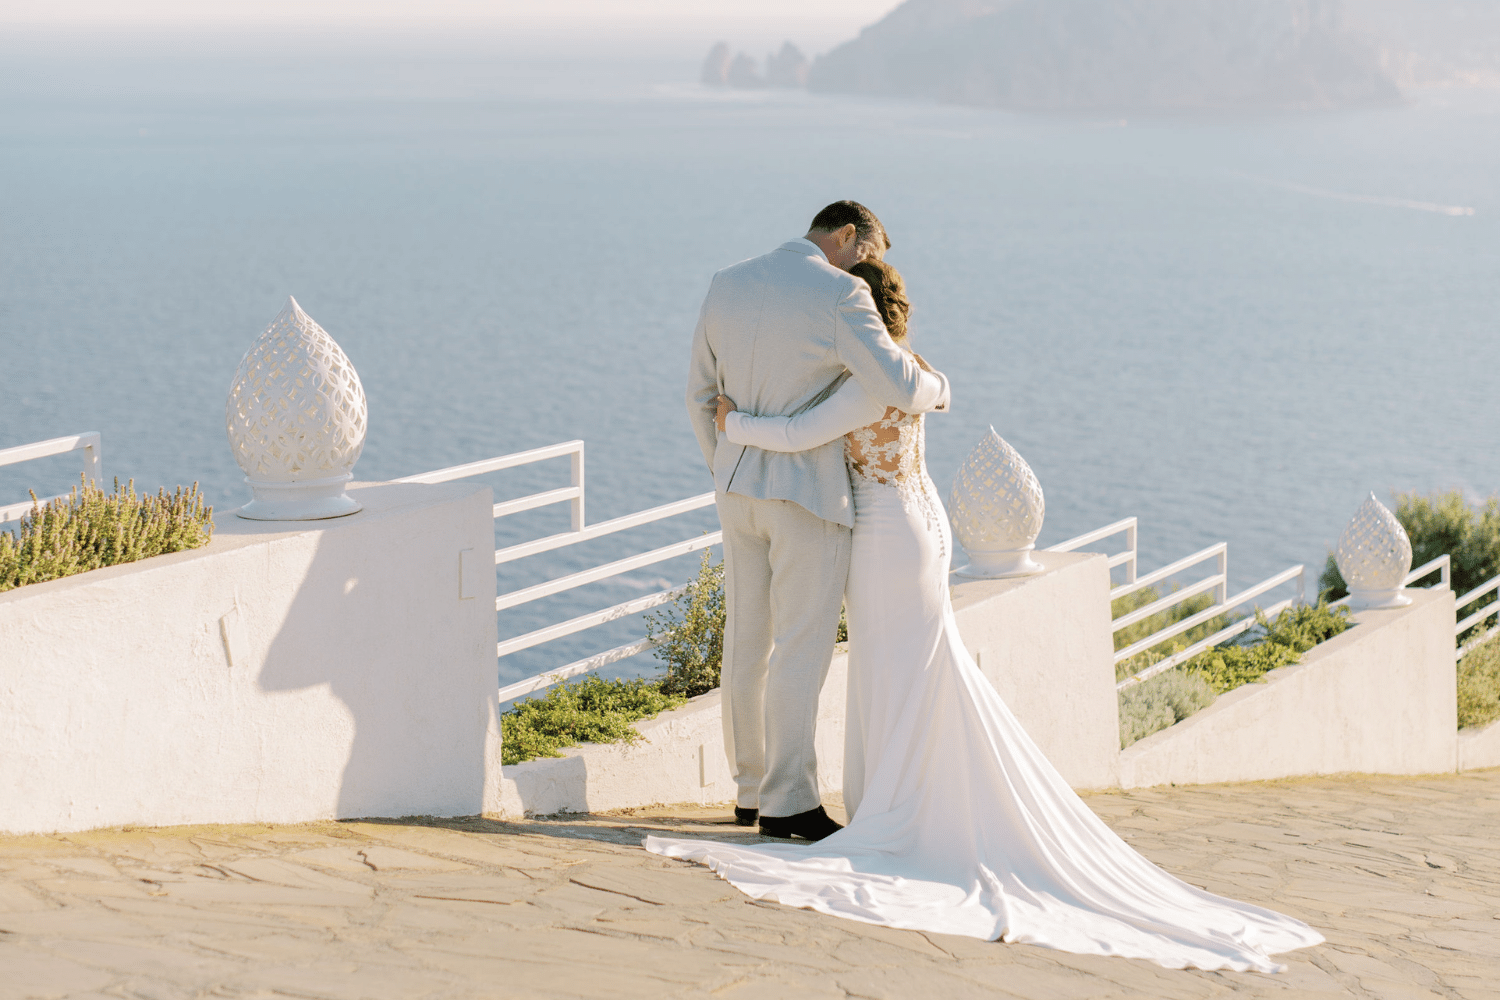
<point x="808" y="403"/>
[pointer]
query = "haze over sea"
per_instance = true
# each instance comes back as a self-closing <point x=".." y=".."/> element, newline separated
<point x="1233" y="329"/>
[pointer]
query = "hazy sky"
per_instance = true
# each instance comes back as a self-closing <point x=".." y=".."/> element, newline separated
<point x="642" y="27"/>
<point x="434" y="12"/>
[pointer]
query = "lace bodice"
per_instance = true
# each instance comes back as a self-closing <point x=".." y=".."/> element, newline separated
<point x="890" y="452"/>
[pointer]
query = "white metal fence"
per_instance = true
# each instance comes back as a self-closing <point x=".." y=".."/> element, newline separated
<point x="1476" y="618"/>
<point x="93" y="463"/>
<point x="1127" y="558"/>
<point x="1216" y="582"/>
<point x="580" y="532"/>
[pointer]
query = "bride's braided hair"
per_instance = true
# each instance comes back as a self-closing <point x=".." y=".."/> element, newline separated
<point x="890" y="294"/>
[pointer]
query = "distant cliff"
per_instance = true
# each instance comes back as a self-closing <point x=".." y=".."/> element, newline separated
<point x="1112" y="56"/>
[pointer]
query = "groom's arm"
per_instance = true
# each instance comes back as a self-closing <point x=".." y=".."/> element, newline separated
<point x="702" y="387"/>
<point x="890" y="375"/>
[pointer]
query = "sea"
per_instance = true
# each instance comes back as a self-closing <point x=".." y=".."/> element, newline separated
<point x="1232" y="328"/>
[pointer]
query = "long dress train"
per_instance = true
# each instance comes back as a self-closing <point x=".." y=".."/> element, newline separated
<point x="959" y="824"/>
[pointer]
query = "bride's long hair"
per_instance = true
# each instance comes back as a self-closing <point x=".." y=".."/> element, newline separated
<point x="890" y="295"/>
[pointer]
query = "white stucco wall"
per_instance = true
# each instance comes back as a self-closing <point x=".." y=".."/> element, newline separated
<point x="283" y="673"/>
<point x="681" y="759"/>
<point x="1045" y="643"/>
<point x="1043" y="640"/>
<point x="1380" y="698"/>
<point x="1479" y="748"/>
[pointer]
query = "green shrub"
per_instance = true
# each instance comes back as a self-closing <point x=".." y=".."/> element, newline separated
<point x="88" y="529"/>
<point x="1479" y="685"/>
<point x="1155" y="623"/>
<point x="691" y="633"/>
<point x="1161" y="701"/>
<point x="588" y="711"/>
<point x="1271" y="644"/>
<point x="1302" y="628"/>
<point x="1229" y="667"/>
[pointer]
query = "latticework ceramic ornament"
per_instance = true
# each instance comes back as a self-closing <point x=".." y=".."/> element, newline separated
<point x="997" y="510"/>
<point x="1374" y="556"/>
<point x="296" y="419"/>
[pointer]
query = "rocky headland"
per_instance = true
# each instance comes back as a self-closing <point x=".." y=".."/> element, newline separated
<point x="1094" y="56"/>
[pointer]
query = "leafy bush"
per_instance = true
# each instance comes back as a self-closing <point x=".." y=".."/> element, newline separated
<point x="691" y="631"/>
<point x="1269" y="645"/>
<point x="89" y="529"/>
<point x="1160" y="701"/>
<point x="1229" y="667"/>
<point x="1479" y="685"/>
<point x="588" y="711"/>
<point x="1155" y="623"/>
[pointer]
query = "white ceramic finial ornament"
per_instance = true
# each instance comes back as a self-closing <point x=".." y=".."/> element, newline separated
<point x="296" y="419"/>
<point x="1374" y="556"/>
<point x="997" y="509"/>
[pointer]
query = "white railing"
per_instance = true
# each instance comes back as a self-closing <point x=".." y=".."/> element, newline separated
<point x="93" y="464"/>
<point x="1466" y="623"/>
<point x="1216" y="582"/>
<point x="581" y="532"/>
<point x="1442" y="566"/>
<point x="1127" y="558"/>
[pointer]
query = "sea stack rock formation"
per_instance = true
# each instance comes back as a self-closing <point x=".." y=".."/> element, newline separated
<point x="787" y="68"/>
<point x="1113" y="56"/>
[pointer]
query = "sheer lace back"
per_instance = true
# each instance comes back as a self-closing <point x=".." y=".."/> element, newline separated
<point x="889" y="452"/>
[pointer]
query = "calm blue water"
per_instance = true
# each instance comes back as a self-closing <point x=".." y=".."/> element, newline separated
<point x="1199" y="323"/>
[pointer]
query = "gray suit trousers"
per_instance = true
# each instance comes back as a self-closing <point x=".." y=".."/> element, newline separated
<point x="784" y="574"/>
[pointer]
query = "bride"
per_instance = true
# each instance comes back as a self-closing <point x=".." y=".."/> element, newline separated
<point x="958" y="824"/>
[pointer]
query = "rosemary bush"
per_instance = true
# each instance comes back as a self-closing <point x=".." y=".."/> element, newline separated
<point x="1160" y="701"/>
<point x="1479" y="685"/>
<point x="89" y="528"/>
<point x="592" y="710"/>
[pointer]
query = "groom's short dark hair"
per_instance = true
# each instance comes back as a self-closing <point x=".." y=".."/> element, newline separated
<point x="867" y="228"/>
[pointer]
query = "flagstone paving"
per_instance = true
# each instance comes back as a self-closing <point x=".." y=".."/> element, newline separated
<point x="1401" y="874"/>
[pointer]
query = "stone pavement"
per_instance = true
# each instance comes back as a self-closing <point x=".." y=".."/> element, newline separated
<point x="1402" y="875"/>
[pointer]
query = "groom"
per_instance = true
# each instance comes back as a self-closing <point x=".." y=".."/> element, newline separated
<point x="777" y="334"/>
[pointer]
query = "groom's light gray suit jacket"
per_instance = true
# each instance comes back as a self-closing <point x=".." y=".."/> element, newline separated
<point x="776" y="334"/>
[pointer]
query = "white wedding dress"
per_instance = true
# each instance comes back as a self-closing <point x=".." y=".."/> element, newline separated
<point x="959" y="825"/>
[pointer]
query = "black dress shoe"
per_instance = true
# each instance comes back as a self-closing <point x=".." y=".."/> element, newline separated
<point x="814" y="824"/>
<point x="745" y="817"/>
